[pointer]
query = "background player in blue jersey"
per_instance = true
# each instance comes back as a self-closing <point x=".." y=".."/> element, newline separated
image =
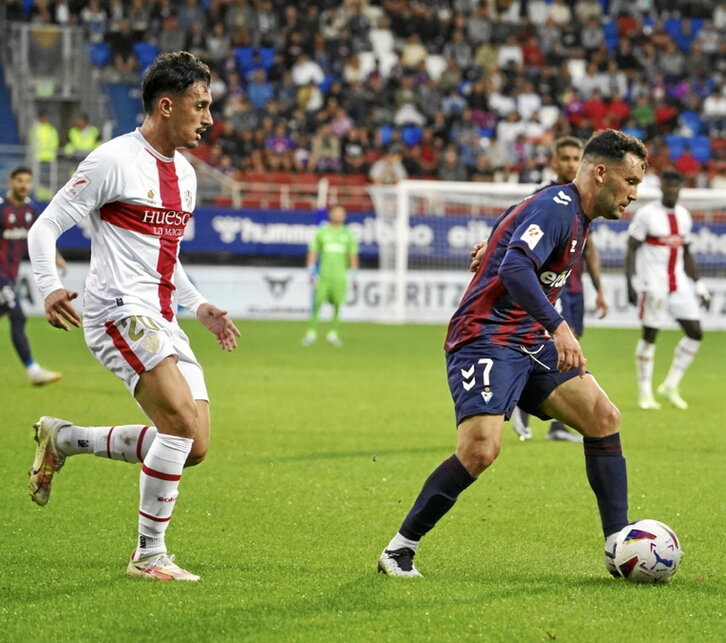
<point x="566" y="157"/>
<point x="17" y="213"/>
<point x="508" y="345"/>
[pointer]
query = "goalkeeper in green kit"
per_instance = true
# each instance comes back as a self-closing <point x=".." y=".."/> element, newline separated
<point x="332" y="259"/>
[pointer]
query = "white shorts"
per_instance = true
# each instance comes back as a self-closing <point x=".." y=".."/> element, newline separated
<point x="129" y="346"/>
<point x="681" y="304"/>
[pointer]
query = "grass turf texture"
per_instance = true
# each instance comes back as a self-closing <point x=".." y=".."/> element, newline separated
<point x="317" y="453"/>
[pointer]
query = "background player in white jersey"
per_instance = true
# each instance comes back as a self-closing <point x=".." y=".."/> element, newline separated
<point x="660" y="259"/>
<point x="138" y="193"/>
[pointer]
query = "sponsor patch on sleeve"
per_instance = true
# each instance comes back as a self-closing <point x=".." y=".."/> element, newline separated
<point x="77" y="183"/>
<point x="532" y="235"/>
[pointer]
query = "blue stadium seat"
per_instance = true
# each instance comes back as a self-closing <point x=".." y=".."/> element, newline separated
<point x="610" y="30"/>
<point x="673" y="27"/>
<point x="411" y="134"/>
<point x="146" y="52"/>
<point x="701" y="148"/>
<point x="386" y="134"/>
<point x="692" y="120"/>
<point x="245" y="57"/>
<point x="99" y="54"/>
<point x="327" y="82"/>
<point x="267" y="57"/>
<point x="676" y="145"/>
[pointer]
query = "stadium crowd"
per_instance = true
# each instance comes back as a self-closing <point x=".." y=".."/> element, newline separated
<point x="450" y="89"/>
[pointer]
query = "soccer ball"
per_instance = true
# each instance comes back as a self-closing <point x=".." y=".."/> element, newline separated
<point x="647" y="551"/>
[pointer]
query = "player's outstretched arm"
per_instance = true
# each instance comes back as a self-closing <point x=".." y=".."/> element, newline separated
<point x="59" y="310"/>
<point x="218" y="323"/>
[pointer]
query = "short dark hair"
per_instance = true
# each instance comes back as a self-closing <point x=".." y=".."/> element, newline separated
<point x="671" y="176"/>
<point x="566" y="141"/>
<point x="172" y="72"/>
<point x="20" y="169"/>
<point x="613" y="145"/>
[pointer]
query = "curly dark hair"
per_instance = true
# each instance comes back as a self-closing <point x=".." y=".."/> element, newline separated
<point x="613" y="145"/>
<point x="172" y="72"/>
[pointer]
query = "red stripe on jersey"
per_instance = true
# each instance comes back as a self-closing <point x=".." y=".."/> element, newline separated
<point x="159" y="474"/>
<point x="165" y="223"/>
<point x="170" y="198"/>
<point x="125" y="350"/>
<point x="672" y="241"/>
<point x="154" y="518"/>
<point x="140" y="443"/>
<point x="108" y="442"/>
<point x="673" y="254"/>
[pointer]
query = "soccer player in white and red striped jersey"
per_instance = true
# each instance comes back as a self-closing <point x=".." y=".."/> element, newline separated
<point x="660" y="260"/>
<point x="137" y="193"/>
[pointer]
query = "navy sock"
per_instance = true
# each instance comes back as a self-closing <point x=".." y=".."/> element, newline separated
<point x="605" y="466"/>
<point x="438" y="495"/>
<point x="20" y="339"/>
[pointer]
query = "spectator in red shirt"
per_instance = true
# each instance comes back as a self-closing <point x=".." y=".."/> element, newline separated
<point x="618" y="111"/>
<point x="689" y="166"/>
<point x="596" y="110"/>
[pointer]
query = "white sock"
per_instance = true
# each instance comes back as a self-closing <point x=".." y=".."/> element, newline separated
<point x="158" y="490"/>
<point x="128" y="443"/>
<point x="644" y="359"/>
<point x="400" y="541"/>
<point x="685" y="351"/>
<point x="32" y="369"/>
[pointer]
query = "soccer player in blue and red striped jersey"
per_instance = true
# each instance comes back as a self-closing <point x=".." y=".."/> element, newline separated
<point x="566" y="157"/>
<point x="17" y="213"/>
<point x="508" y="345"/>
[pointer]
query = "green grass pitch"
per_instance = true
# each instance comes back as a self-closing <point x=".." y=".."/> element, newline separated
<point x="317" y="453"/>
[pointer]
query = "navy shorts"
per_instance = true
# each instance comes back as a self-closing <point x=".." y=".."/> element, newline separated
<point x="573" y="310"/>
<point x="485" y="379"/>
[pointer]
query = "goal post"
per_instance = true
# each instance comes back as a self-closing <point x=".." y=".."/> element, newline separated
<point x="426" y="229"/>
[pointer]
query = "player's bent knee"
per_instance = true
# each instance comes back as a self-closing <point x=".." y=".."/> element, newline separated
<point x="606" y="420"/>
<point x="479" y="456"/>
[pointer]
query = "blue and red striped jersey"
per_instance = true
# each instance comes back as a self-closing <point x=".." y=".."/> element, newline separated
<point x="15" y="221"/>
<point x="550" y="228"/>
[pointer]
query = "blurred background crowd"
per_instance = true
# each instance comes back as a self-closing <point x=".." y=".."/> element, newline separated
<point x="448" y="89"/>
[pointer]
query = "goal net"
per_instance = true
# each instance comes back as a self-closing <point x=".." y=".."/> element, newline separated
<point x="426" y="230"/>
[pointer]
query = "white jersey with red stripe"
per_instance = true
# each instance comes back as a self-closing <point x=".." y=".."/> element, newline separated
<point x="659" y="260"/>
<point x="137" y="204"/>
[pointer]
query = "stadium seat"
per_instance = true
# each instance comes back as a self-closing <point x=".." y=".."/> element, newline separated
<point x="244" y="57"/>
<point x="146" y="52"/>
<point x="701" y="148"/>
<point x="328" y="80"/>
<point x="610" y="29"/>
<point x="386" y="134"/>
<point x="673" y="27"/>
<point x="676" y="145"/>
<point x="411" y="134"/>
<point x="691" y="120"/>
<point x="267" y="57"/>
<point x="99" y="54"/>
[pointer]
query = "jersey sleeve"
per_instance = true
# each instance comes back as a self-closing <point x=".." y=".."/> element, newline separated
<point x="92" y="185"/>
<point x="541" y="230"/>
<point x="638" y="228"/>
<point x="187" y="295"/>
